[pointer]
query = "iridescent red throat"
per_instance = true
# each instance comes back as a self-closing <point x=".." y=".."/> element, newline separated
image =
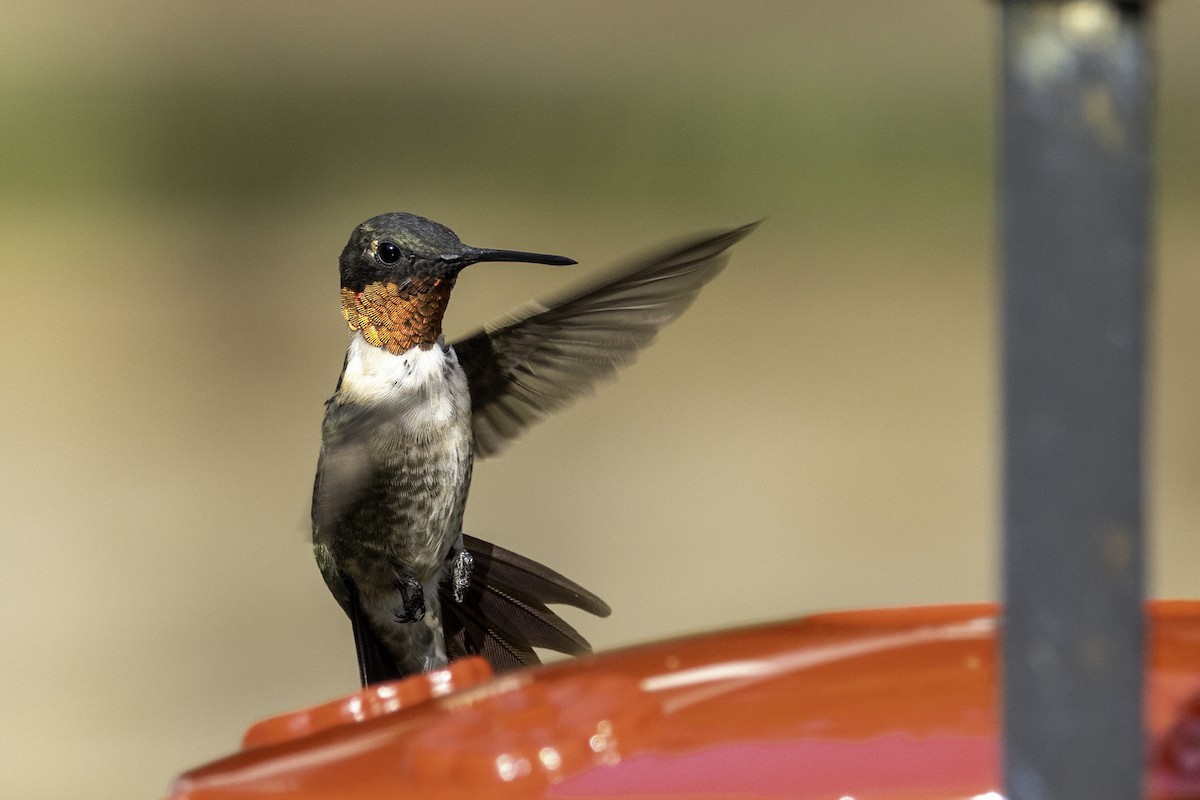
<point x="398" y="318"/>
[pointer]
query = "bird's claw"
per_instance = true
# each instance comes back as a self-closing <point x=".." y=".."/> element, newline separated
<point x="414" y="600"/>
<point x="461" y="565"/>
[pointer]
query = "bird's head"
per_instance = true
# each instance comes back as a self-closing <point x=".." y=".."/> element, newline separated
<point x="397" y="272"/>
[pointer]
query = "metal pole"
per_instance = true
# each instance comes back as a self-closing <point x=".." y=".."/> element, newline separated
<point x="1074" y="179"/>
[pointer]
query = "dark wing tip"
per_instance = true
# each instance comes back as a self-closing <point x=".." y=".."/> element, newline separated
<point x="375" y="664"/>
<point x="542" y="358"/>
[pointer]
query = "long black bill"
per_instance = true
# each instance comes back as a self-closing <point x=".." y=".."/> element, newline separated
<point x="476" y="254"/>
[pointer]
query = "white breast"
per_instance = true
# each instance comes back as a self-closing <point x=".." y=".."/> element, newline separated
<point x="422" y="390"/>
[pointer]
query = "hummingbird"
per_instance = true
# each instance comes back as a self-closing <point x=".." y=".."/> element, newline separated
<point x="411" y="413"/>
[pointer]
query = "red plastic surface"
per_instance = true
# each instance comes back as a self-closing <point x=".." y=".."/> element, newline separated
<point x="895" y="703"/>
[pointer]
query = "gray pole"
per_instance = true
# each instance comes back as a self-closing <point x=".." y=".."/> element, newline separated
<point x="1074" y="179"/>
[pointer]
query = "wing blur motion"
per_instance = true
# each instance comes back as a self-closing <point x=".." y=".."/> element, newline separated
<point x="504" y="614"/>
<point x="526" y="366"/>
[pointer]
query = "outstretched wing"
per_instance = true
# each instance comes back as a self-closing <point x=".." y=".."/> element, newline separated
<point x="504" y="614"/>
<point x="524" y="367"/>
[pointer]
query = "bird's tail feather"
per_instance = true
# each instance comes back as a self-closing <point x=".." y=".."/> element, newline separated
<point x="503" y="615"/>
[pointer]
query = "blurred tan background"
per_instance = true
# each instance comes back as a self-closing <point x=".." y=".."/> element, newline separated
<point x="818" y="432"/>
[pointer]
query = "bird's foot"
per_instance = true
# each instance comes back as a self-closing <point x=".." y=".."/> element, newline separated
<point x="413" y="594"/>
<point x="461" y="564"/>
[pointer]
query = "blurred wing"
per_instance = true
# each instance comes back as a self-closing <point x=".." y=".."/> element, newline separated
<point x="504" y="615"/>
<point x="345" y="467"/>
<point x="526" y="366"/>
<point x="344" y="471"/>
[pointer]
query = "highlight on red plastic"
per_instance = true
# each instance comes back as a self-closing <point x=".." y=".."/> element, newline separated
<point x="885" y="703"/>
<point x="371" y="703"/>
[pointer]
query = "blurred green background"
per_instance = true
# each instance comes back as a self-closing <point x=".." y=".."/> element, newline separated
<point x="818" y="432"/>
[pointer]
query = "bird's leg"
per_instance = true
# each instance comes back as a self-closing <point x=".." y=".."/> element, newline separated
<point x="413" y="595"/>
<point x="461" y="564"/>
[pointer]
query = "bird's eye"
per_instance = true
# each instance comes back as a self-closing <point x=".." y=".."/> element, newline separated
<point x="388" y="252"/>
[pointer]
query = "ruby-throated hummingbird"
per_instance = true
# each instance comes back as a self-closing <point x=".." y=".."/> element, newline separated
<point x="411" y="413"/>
